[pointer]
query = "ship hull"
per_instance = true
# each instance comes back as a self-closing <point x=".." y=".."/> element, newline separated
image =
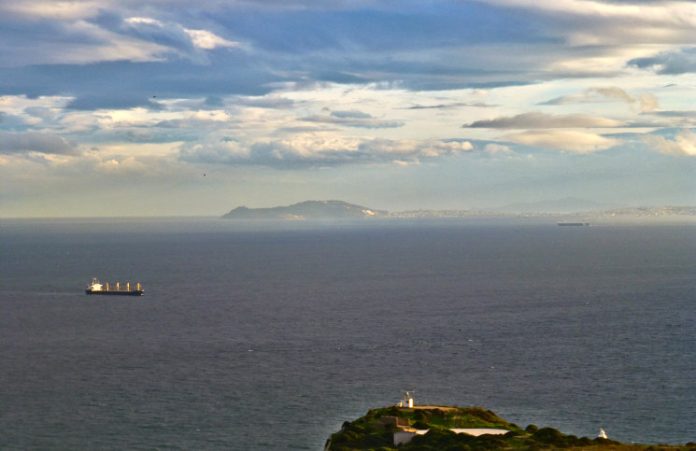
<point x="115" y="293"/>
<point x="574" y="224"/>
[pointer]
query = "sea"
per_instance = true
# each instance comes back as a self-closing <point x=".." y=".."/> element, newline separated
<point x="269" y="337"/>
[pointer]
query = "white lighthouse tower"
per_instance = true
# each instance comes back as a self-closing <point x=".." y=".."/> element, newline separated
<point x="407" y="400"/>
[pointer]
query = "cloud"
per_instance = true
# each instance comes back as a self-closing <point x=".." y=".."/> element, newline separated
<point x="495" y="148"/>
<point x="353" y="118"/>
<point x="174" y="34"/>
<point x="191" y="43"/>
<point x="272" y="102"/>
<point x="201" y="119"/>
<point x="685" y="118"/>
<point x="592" y="95"/>
<point x="111" y="100"/>
<point x="352" y="114"/>
<point x="444" y="106"/>
<point x="204" y="39"/>
<point x="460" y="44"/>
<point x="48" y="143"/>
<point x="120" y="165"/>
<point x="41" y="112"/>
<point x="14" y="122"/>
<point x="678" y="14"/>
<point x="543" y="120"/>
<point x="647" y="102"/>
<point x="124" y="84"/>
<point x="61" y="32"/>
<point x="683" y="144"/>
<point x="320" y="150"/>
<point x="670" y="63"/>
<point x="573" y="141"/>
<point x="611" y="92"/>
<point x="51" y="9"/>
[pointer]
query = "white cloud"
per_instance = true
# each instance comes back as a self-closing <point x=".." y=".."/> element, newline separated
<point x="573" y="141"/>
<point x="206" y="40"/>
<point x="679" y="13"/>
<point x="601" y="36"/>
<point x="177" y="38"/>
<point x="495" y="148"/>
<point x="592" y="95"/>
<point x="683" y="144"/>
<point x="143" y="21"/>
<point x="52" y="9"/>
<point x="120" y="165"/>
<point x="646" y="101"/>
<point x="202" y="39"/>
<point x="320" y="149"/>
<point x="79" y="42"/>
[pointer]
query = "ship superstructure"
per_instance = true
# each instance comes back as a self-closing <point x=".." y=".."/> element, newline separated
<point x="117" y="289"/>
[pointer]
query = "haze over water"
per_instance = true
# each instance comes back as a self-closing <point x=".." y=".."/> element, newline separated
<point x="271" y="338"/>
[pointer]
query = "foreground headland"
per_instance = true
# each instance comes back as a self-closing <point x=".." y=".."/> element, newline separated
<point x="462" y="428"/>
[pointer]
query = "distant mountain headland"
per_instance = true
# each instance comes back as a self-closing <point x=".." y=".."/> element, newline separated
<point x="409" y="428"/>
<point x="311" y="209"/>
<point x="338" y="209"/>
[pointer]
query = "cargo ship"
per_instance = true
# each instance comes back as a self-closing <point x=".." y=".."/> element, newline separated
<point x="574" y="224"/>
<point x="116" y="289"/>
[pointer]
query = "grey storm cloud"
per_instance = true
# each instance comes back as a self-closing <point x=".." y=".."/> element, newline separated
<point x="356" y="44"/>
<point x="669" y="63"/>
<point x="351" y="114"/>
<point x="124" y="84"/>
<point x="543" y="120"/>
<point x="16" y="143"/>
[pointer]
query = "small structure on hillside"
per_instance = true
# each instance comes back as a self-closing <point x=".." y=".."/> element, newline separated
<point x="405" y="435"/>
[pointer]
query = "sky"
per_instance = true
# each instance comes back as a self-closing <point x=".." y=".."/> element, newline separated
<point x="172" y="107"/>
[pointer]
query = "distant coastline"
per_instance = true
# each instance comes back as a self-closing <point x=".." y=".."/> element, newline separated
<point x="337" y="209"/>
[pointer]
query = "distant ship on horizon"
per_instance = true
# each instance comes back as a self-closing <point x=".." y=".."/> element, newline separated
<point x="574" y="224"/>
<point x="96" y="287"/>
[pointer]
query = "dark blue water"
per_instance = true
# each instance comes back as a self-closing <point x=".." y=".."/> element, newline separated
<point x="270" y="339"/>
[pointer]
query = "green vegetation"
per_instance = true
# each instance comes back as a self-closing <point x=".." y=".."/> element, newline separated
<point x="375" y="431"/>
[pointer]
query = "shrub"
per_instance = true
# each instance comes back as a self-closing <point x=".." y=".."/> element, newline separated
<point x="420" y="425"/>
<point x="549" y="435"/>
<point x="532" y="428"/>
<point x="487" y="442"/>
